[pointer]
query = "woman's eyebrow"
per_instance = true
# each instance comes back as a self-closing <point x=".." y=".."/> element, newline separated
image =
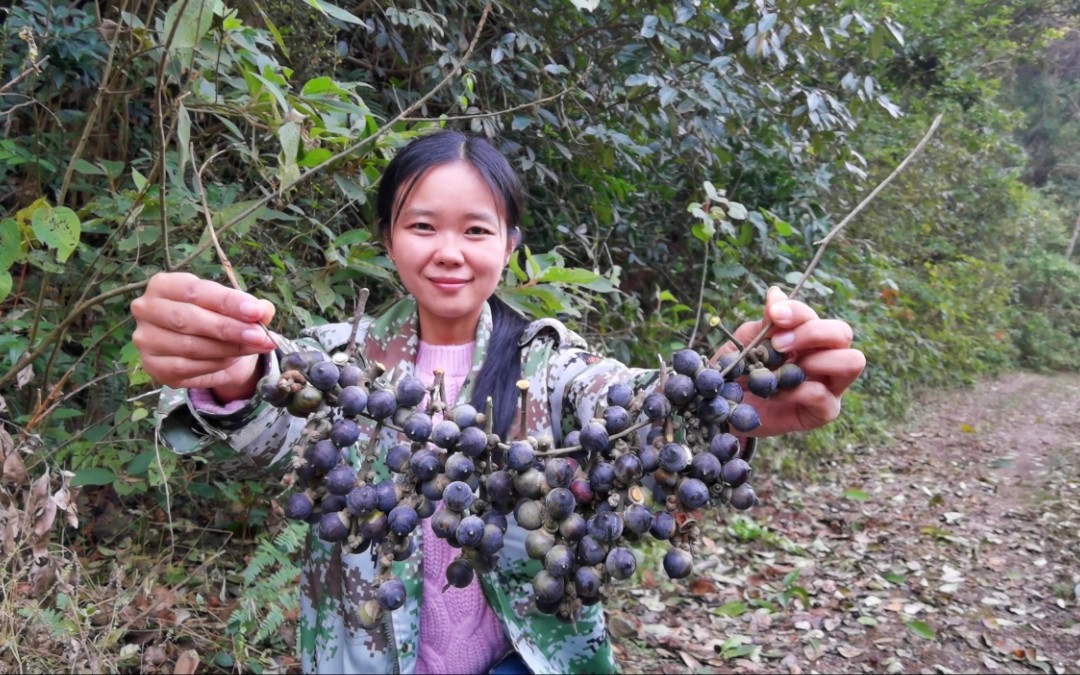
<point x="417" y="212"/>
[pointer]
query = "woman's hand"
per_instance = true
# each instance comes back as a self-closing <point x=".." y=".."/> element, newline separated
<point x="199" y="334"/>
<point x="822" y="348"/>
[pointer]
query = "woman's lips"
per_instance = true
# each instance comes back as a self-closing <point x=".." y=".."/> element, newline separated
<point x="448" y="283"/>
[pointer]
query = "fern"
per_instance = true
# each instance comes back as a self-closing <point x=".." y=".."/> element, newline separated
<point x="270" y="589"/>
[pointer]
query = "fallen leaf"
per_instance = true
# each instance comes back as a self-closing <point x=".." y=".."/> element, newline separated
<point x="187" y="663"/>
<point x="922" y="629"/>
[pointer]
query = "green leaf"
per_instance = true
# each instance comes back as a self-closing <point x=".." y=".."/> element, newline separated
<point x="183" y="135"/>
<point x="315" y="157"/>
<point x="6" y="283"/>
<point x="355" y="236"/>
<point x="141" y="461"/>
<point x="922" y="629"/>
<point x="138" y="179"/>
<point x="856" y="495"/>
<point x="736" y="211"/>
<point x="58" y="229"/>
<point x="733" y="608"/>
<point x="334" y="11"/>
<point x="10" y="242"/>
<point x="86" y="168"/>
<point x="894" y="578"/>
<point x="567" y="275"/>
<point x="93" y="475"/>
<point x="279" y="96"/>
<point x="191" y="20"/>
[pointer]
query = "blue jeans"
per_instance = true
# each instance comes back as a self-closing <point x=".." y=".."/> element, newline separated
<point x="511" y="665"/>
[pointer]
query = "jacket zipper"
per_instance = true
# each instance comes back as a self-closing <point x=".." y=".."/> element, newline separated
<point x="391" y="643"/>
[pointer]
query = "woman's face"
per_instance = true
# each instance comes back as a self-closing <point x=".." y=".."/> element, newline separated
<point x="449" y="243"/>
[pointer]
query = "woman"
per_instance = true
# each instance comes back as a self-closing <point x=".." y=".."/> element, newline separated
<point x="449" y="206"/>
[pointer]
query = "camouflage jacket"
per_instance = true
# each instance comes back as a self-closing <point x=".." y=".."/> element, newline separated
<point x="566" y="383"/>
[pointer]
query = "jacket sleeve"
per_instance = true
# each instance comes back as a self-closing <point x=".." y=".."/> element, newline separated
<point x="254" y="440"/>
<point x="577" y="378"/>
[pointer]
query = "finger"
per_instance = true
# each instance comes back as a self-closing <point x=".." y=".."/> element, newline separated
<point x="814" y="334"/>
<point x="814" y="403"/>
<point x="152" y="340"/>
<point x="836" y="369"/>
<point x="178" y="371"/>
<point x="209" y="295"/>
<point x="189" y="319"/>
<point x="786" y="314"/>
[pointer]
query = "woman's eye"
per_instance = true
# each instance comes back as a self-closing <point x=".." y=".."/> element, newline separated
<point x="479" y="231"/>
<point x="422" y="226"/>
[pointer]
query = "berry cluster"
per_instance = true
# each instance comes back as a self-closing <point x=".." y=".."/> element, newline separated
<point x="644" y="466"/>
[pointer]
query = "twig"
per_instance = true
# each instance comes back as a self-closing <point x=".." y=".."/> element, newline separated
<point x="701" y="294"/>
<point x="222" y="258"/>
<point x="767" y="325"/>
<point x="32" y="68"/>
<point x="361" y="303"/>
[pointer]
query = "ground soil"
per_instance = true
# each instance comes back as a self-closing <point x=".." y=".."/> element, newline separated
<point x="952" y="547"/>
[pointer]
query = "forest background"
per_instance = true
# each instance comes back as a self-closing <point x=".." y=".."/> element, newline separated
<point x="680" y="157"/>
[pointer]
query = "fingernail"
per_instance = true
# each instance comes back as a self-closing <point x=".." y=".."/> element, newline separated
<point x="253" y="336"/>
<point x="782" y="341"/>
<point x="781" y="313"/>
<point x="251" y="309"/>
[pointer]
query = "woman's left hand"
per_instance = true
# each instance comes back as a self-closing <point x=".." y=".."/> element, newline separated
<point x="822" y="348"/>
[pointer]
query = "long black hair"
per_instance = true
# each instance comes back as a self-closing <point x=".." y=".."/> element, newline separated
<point x="502" y="364"/>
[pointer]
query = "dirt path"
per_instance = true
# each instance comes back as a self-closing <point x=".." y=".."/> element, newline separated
<point x="953" y="548"/>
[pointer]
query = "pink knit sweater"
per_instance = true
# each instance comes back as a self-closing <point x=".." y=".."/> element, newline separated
<point x="459" y="632"/>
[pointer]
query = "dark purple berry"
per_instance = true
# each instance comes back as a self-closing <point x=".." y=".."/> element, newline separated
<point x="334" y="526"/>
<point x="735" y="472"/>
<point x="499" y="485"/>
<point x="714" y="410"/>
<point x="270" y="391"/>
<point x="637" y="518"/>
<point x="663" y="526"/>
<point x="381" y="404"/>
<point x="674" y="457"/>
<point x="299" y="506"/>
<point x="538" y="543"/>
<point x="323" y="456"/>
<point x="529" y="514"/>
<point x="559" y="503"/>
<point x="573" y="527"/>
<point x="705" y="467"/>
<point x="762" y="382"/>
<point x="602" y="477"/>
<point x="492" y="541"/>
<point x="708" y="382"/>
<point x="351" y="376"/>
<point x="743" y="497"/>
<point x="587" y="582"/>
<point x="472" y="441"/>
<point x="434" y="487"/>
<point x="582" y="490"/>
<point x="594" y="437"/>
<point x="361" y="500"/>
<point x="464" y="415"/>
<point x="397" y="459"/>
<point x="692" y="493"/>
<point x="424" y="465"/>
<point x="520" y="456"/>
<point x="323" y="375"/>
<point x="344" y="433"/>
<point x="678" y="563"/>
<point x="590" y="551"/>
<point x="425" y="508"/>
<point x="572" y="439"/>
<point x="620" y="563"/>
<point x="470" y="531"/>
<point x="620" y="394"/>
<point x="459" y="466"/>
<point x="340" y="480"/>
<point x="559" y="561"/>
<point x="656" y="406"/>
<point x="789" y="376"/>
<point x="331" y="503"/>
<point x="295" y="361"/>
<point x="402" y="519"/>
<point x="391" y="594"/>
<point x="418" y="427"/>
<point x="744" y="417"/>
<point x="727" y="360"/>
<point x="458" y="496"/>
<point x="530" y="483"/>
<point x="686" y="362"/>
<point x="352" y="401"/>
<point x="606" y="527"/>
<point x="559" y="471"/>
<point x="389" y="494"/>
<point x="445" y="523"/>
<point x="628" y="469"/>
<point x="732" y="391"/>
<point x="773" y="358"/>
<point x="547" y="588"/>
<point x="445" y="434"/>
<point x="650" y="458"/>
<point x="616" y="419"/>
<point x="459" y="573"/>
<point x="679" y="389"/>
<point x="410" y="391"/>
<point x="724" y="446"/>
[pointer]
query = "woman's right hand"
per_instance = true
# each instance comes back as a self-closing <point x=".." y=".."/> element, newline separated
<point x="199" y="334"/>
